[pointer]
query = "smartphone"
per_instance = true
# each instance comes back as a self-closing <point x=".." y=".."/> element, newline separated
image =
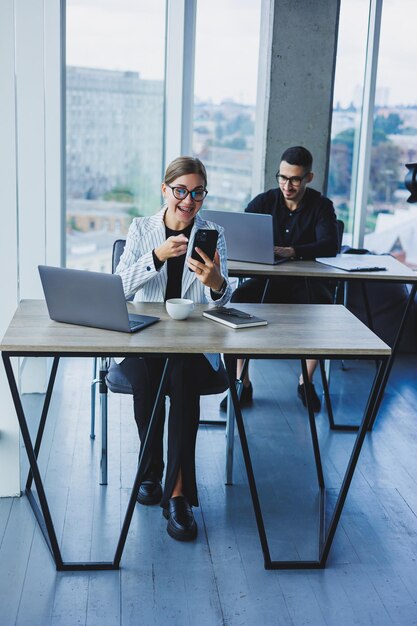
<point x="206" y="239"/>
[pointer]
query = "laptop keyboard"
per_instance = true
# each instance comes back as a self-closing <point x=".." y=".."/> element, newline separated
<point x="134" y="325"/>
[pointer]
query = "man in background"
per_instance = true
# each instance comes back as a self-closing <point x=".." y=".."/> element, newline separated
<point x="305" y="227"/>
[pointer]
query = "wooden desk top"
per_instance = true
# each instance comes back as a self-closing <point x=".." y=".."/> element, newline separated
<point x="396" y="271"/>
<point x="292" y="330"/>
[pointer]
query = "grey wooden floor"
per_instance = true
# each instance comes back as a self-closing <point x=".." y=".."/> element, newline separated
<point x="371" y="575"/>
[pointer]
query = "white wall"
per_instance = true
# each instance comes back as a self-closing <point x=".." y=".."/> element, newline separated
<point x="9" y="440"/>
<point x="30" y="189"/>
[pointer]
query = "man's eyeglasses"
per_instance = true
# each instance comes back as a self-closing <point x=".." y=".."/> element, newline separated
<point x="295" y="181"/>
<point x="180" y="193"/>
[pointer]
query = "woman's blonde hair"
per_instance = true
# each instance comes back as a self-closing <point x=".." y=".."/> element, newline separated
<point x="182" y="166"/>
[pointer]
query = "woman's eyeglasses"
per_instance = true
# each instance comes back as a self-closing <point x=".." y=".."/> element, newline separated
<point x="180" y="193"/>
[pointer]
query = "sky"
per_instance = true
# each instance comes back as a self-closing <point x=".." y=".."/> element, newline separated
<point x="130" y="35"/>
<point x="397" y="50"/>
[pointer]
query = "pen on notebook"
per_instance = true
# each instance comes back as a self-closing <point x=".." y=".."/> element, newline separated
<point x="233" y="313"/>
<point x="368" y="269"/>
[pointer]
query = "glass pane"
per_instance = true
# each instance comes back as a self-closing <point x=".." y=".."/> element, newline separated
<point x="391" y="224"/>
<point x="347" y="109"/>
<point x="226" y="69"/>
<point x="114" y="115"/>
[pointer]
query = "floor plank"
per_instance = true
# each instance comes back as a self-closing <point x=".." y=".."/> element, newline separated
<point x="220" y="579"/>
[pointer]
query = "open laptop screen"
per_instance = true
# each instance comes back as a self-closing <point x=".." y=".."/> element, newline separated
<point x="249" y="236"/>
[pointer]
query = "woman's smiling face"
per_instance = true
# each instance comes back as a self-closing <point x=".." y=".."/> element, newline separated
<point x="180" y="213"/>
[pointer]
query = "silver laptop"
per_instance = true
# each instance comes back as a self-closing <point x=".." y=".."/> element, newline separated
<point x="249" y="236"/>
<point x="89" y="299"/>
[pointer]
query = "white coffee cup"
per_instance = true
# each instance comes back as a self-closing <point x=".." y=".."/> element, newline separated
<point x="179" y="308"/>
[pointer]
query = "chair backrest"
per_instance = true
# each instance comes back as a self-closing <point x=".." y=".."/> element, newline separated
<point x="340" y="231"/>
<point x="118" y="247"/>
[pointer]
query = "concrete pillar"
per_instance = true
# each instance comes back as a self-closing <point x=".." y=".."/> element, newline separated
<point x="299" y="85"/>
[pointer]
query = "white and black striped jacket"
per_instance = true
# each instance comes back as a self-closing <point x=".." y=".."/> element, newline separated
<point x="140" y="277"/>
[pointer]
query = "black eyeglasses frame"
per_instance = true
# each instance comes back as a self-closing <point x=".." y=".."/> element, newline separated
<point x="290" y="179"/>
<point x="188" y="192"/>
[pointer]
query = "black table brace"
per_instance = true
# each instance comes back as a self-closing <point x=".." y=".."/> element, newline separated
<point x="325" y="538"/>
<point x="43" y="514"/>
<point x="41" y="510"/>
<point x="394" y="350"/>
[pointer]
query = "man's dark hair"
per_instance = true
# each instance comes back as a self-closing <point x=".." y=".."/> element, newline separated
<point x="298" y="156"/>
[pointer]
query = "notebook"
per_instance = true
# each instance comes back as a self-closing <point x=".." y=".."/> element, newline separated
<point x="89" y="299"/>
<point x="234" y="318"/>
<point x="249" y="236"/>
<point x="356" y="262"/>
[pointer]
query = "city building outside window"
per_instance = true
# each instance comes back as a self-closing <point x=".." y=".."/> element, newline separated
<point x="114" y="122"/>
<point x="391" y="222"/>
<point x="226" y="70"/>
<point x="347" y="109"/>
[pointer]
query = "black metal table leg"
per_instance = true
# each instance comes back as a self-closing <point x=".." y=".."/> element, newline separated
<point x="142" y="461"/>
<point x="41" y="510"/>
<point x="394" y="350"/>
<point x="327" y="399"/>
<point x="230" y="427"/>
<point x="325" y="538"/>
<point x="317" y="457"/>
<point x="231" y="374"/>
<point x="369" y="415"/>
<point x="43" y="515"/>
<point x="104" y="394"/>
<point x="313" y="430"/>
<point x="332" y="424"/>
<point x="44" y="415"/>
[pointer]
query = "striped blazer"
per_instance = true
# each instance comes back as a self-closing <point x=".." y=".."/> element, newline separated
<point x="140" y="277"/>
<point x="138" y="272"/>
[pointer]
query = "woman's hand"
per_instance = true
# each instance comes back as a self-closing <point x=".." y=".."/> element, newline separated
<point x="172" y="247"/>
<point x="208" y="272"/>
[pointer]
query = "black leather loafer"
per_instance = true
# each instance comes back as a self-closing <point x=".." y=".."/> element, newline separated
<point x="315" y="400"/>
<point x="181" y="523"/>
<point x="246" y="397"/>
<point x="150" y="491"/>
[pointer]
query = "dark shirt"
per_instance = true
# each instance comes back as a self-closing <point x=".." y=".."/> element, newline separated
<point x="175" y="266"/>
<point x="311" y="229"/>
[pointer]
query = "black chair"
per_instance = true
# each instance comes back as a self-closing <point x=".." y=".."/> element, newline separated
<point x="108" y="375"/>
<point x="340" y="231"/>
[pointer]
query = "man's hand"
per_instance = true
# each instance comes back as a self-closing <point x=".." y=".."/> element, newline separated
<point x="286" y="253"/>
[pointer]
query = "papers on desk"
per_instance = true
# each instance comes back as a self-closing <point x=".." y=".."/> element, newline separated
<point x="356" y="262"/>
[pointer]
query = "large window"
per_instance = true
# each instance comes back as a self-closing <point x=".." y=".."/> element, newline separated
<point x="391" y="224"/>
<point x="347" y="109"/>
<point x="114" y="114"/>
<point x="388" y="222"/>
<point x="226" y="66"/>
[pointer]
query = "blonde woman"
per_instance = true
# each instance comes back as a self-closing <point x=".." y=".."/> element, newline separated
<point x="155" y="266"/>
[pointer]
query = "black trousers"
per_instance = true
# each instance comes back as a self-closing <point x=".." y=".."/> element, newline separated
<point x="188" y="376"/>
<point x="286" y="290"/>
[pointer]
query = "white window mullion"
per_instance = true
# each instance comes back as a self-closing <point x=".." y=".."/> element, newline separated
<point x="365" y="141"/>
<point x="179" y="78"/>
<point x="262" y="96"/>
<point x="54" y="134"/>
